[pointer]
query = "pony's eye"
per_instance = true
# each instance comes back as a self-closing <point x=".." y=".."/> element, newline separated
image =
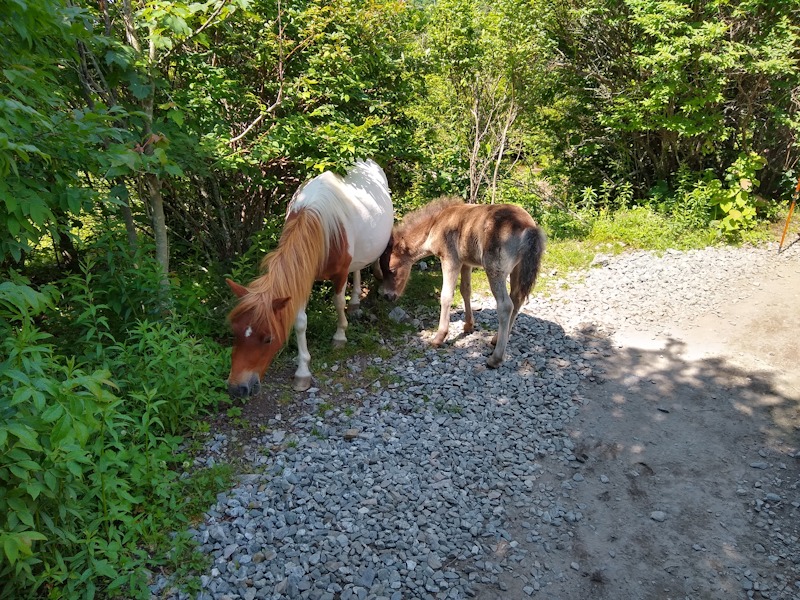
<point x="267" y="339"/>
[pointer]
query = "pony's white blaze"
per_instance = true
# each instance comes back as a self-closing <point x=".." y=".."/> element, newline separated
<point x="360" y="202"/>
<point x="248" y="332"/>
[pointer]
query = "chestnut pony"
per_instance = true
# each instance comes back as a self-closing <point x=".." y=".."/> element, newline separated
<point x="501" y="238"/>
<point x="334" y="226"/>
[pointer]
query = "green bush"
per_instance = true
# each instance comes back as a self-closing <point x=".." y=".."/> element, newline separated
<point x="88" y="452"/>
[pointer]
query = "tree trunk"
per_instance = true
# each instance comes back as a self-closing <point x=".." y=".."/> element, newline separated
<point x="153" y="184"/>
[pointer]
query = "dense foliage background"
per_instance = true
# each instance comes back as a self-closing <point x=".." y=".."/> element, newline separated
<point x="148" y="149"/>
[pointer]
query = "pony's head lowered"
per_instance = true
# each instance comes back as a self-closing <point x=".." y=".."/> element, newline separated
<point x="260" y="329"/>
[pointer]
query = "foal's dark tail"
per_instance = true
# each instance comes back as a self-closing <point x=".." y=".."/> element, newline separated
<point x="533" y="245"/>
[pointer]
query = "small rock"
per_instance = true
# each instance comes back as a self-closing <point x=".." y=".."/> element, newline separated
<point x="351" y="434"/>
<point x="658" y="515"/>
<point x="398" y="315"/>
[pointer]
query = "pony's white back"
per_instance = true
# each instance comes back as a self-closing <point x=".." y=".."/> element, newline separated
<point x="359" y="205"/>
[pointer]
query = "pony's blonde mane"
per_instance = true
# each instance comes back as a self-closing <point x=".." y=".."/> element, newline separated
<point x="326" y="196"/>
<point x="426" y="214"/>
<point x="314" y="224"/>
<point x="289" y="271"/>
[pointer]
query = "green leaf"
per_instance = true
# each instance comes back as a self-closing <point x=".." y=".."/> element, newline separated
<point x="11" y="203"/>
<point x="34" y="488"/>
<point x="74" y="468"/>
<point x="176" y="116"/>
<point x="51" y="480"/>
<point x="52" y="413"/>
<point x="25" y="435"/>
<point x="11" y="549"/>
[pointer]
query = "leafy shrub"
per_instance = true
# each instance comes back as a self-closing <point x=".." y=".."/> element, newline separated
<point x="691" y="204"/>
<point x="87" y="445"/>
<point x="163" y="365"/>
<point x="736" y="204"/>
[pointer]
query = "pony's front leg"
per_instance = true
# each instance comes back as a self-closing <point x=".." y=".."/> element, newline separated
<point x="466" y="293"/>
<point x="339" y="285"/>
<point x="302" y="377"/>
<point x="449" y="278"/>
<point x="505" y="307"/>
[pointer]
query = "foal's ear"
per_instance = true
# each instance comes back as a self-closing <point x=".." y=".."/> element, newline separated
<point x="237" y="289"/>
<point x="279" y="303"/>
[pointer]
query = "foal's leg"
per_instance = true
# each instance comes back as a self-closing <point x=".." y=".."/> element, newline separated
<point x="339" y="286"/>
<point x="302" y="377"/>
<point x="466" y="294"/>
<point x="355" y="294"/>
<point x="505" y="307"/>
<point x="516" y="296"/>
<point x="517" y="299"/>
<point x="449" y="277"/>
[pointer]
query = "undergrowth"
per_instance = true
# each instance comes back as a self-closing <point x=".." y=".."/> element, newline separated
<point x="98" y="389"/>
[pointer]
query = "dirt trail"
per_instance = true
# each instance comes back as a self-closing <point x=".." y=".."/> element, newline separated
<point x="690" y="469"/>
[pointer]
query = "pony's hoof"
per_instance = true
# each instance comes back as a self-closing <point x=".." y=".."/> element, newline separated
<point x="339" y="343"/>
<point x="469" y="327"/>
<point x="437" y="341"/>
<point x="301" y="384"/>
<point x="493" y="362"/>
<point x="354" y="310"/>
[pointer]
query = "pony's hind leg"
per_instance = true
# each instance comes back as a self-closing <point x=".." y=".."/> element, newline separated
<point x="354" y="307"/>
<point x="449" y="277"/>
<point x="302" y="377"/>
<point x="339" y="286"/>
<point x="466" y="294"/>
<point x="505" y="308"/>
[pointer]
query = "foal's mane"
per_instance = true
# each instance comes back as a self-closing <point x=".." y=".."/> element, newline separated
<point x="424" y="215"/>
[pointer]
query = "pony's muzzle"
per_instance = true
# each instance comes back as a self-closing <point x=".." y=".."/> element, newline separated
<point x="247" y="388"/>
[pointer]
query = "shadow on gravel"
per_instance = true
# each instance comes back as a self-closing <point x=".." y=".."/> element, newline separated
<point x="685" y="476"/>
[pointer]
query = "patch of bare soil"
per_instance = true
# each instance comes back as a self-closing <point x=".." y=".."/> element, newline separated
<point x="689" y="465"/>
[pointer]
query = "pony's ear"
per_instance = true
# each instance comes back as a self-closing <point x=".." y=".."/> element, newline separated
<point x="237" y="289"/>
<point x="279" y="303"/>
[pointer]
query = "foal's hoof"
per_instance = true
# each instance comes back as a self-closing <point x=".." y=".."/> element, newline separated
<point x="469" y="327"/>
<point x="494" y="340"/>
<point x="301" y="384"/>
<point x="339" y="343"/>
<point x="493" y="362"/>
<point x="438" y="339"/>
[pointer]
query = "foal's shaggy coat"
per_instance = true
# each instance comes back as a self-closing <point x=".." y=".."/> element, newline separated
<point x="503" y="239"/>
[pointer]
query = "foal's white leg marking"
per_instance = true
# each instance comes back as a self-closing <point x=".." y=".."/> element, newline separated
<point x="302" y="377"/>
<point x="466" y="294"/>
<point x="449" y="278"/>
<point x="505" y="307"/>
<point x="339" y="338"/>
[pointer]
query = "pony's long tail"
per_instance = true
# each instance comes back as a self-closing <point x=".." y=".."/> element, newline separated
<point x="533" y="246"/>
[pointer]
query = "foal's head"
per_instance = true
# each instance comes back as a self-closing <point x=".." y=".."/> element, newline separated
<point x="396" y="263"/>
<point x="258" y="324"/>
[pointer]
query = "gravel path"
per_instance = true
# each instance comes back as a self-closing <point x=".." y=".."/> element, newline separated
<point x="440" y="484"/>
